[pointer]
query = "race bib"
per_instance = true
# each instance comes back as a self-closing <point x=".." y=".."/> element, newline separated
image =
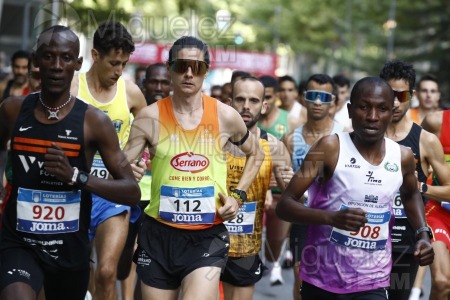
<point x="244" y="222"/>
<point x="187" y="205"/>
<point x="399" y="210"/>
<point x="98" y="168"/>
<point x="372" y="236"/>
<point x="44" y="212"/>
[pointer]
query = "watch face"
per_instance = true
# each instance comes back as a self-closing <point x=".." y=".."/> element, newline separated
<point x="83" y="178"/>
<point x="424" y="188"/>
<point x="243" y="195"/>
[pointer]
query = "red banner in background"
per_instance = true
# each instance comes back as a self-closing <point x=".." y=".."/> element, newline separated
<point x="221" y="57"/>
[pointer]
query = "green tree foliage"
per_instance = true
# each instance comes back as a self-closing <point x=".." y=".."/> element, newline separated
<point x="324" y="36"/>
<point x="423" y="38"/>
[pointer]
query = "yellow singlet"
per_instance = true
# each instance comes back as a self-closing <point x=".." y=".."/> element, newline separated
<point x="188" y="170"/>
<point x="246" y="229"/>
<point x="116" y="109"/>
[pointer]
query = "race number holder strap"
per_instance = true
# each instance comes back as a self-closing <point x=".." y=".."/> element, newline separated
<point x="45" y="212"/>
<point x="244" y="223"/>
<point x="372" y="236"/>
<point x="187" y="205"/>
<point x="399" y="210"/>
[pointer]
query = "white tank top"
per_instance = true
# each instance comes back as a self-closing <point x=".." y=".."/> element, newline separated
<point x="341" y="261"/>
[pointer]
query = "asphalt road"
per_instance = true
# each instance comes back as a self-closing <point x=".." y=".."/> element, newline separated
<point x="264" y="291"/>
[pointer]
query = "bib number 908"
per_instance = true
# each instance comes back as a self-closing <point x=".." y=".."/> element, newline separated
<point x="367" y="232"/>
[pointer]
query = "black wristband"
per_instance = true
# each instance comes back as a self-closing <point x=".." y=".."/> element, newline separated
<point x="424" y="229"/>
<point x="82" y="179"/>
<point x="423" y="188"/>
<point x="242" y="141"/>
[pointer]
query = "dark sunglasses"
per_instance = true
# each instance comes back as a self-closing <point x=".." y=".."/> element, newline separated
<point x="403" y="96"/>
<point x="181" y="66"/>
<point x="35" y="75"/>
<point x="324" y="97"/>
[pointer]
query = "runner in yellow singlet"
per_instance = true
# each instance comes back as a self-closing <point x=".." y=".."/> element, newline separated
<point x="183" y="241"/>
<point x="156" y="86"/>
<point x="244" y="266"/>
<point x="104" y="87"/>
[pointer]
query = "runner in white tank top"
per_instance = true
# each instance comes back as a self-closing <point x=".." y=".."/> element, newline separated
<point x="352" y="180"/>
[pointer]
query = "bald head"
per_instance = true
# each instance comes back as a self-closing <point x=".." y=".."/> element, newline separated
<point x="369" y="85"/>
<point x="60" y="33"/>
<point x="57" y="57"/>
<point x="245" y="79"/>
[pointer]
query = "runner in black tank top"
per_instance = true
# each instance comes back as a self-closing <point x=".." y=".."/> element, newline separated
<point x="38" y="233"/>
<point x="54" y="136"/>
<point x="403" y="237"/>
<point x="404" y="264"/>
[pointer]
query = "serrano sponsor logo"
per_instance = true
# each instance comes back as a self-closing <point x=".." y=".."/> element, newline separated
<point x="189" y="162"/>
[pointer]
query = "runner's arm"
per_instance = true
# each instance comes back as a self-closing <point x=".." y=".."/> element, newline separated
<point x="250" y="146"/>
<point x="434" y="154"/>
<point x="320" y="162"/>
<point x="9" y="111"/>
<point x="433" y="122"/>
<point x="414" y="209"/>
<point x="144" y="132"/>
<point x="100" y="135"/>
<point x="409" y="193"/>
<point x="135" y="97"/>
<point x="237" y="133"/>
<point x="5" y="133"/>
<point x="281" y="162"/>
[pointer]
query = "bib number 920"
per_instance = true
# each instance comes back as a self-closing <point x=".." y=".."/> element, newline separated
<point x="48" y="213"/>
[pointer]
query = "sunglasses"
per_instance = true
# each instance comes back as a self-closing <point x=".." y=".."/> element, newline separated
<point x="35" y="75"/>
<point x="324" y="97"/>
<point x="181" y="66"/>
<point x="403" y="96"/>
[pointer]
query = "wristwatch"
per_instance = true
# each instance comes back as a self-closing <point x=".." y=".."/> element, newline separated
<point x="423" y="188"/>
<point x="82" y="179"/>
<point x="240" y="195"/>
<point x="424" y="229"/>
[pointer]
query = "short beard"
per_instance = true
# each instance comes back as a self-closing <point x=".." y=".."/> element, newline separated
<point x="400" y="117"/>
<point x="21" y="79"/>
<point x="254" y="121"/>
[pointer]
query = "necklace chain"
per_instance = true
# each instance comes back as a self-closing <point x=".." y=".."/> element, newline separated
<point x="53" y="111"/>
<point x="188" y="112"/>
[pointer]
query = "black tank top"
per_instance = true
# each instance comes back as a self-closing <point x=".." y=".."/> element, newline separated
<point x="44" y="214"/>
<point x="403" y="235"/>
<point x="412" y="141"/>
